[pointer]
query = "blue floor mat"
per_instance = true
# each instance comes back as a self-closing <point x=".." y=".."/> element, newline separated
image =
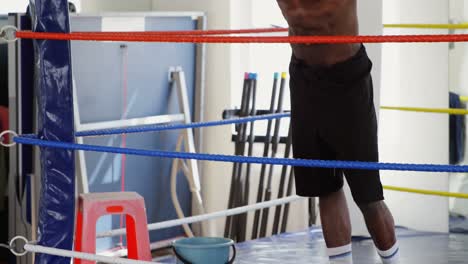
<point x="309" y="247"/>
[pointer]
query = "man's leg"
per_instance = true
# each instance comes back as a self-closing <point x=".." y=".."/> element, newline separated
<point x="336" y="226"/>
<point x="380" y="224"/>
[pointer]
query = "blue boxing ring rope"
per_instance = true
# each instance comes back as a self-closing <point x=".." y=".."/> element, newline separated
<point x="31" y="139"/>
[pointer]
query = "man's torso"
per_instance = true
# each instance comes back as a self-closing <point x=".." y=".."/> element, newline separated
<point x="321" y="17"/>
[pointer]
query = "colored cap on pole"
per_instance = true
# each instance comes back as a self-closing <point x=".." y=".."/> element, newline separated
<point x="253" y="76"/>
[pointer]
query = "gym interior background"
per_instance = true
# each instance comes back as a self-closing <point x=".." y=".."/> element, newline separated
<point x="407" y="75"/>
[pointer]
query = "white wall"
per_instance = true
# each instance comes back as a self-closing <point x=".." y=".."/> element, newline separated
<point x="11" y="6"/>
<point x="95" y="6"/>
<point x="459" y="84"/>
<point x="415" y="75"/>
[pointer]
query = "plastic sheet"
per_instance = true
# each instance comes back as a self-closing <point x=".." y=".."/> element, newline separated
<point x="309" y="247"/>
<point x="53" y="83"/>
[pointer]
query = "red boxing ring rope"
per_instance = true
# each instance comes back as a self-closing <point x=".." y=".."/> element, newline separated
<point x="205" y="37"/>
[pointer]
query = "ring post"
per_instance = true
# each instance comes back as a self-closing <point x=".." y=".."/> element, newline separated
<point x="53" y="82"/>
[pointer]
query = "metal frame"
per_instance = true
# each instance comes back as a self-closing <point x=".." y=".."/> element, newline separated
<point x="189" y="167"/>
<point x="189" y="142"/>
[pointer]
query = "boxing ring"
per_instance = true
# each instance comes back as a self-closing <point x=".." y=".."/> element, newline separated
<point x="57" y="138"/>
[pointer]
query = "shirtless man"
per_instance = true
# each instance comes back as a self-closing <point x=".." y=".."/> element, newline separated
<point x="333" y="118"/>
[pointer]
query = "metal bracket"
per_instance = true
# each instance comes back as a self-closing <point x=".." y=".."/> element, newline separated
<point x="2" y="137"/>
<point x="172" y="70"/>
<point x="8" y="33"/>
<point x="13" y="244"/>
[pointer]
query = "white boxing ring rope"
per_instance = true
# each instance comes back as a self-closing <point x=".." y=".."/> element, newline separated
<point x="210" y="216"/>
<point x="33" y="248"/>
<point x="84" y="256"/>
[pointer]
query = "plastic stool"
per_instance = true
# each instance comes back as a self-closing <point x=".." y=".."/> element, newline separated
<point x="92" y="206"/>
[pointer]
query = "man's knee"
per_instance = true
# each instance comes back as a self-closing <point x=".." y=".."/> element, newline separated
<point x="373" y="208"/>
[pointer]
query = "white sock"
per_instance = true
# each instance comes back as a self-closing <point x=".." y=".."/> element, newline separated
<point x="340" y="255"/>
<point x="390" y="256"/>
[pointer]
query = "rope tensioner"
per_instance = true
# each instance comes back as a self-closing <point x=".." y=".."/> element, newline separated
<point x="2" y="138"/>
<point x="8" y="33"/>
<point x="13" y="244"/>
